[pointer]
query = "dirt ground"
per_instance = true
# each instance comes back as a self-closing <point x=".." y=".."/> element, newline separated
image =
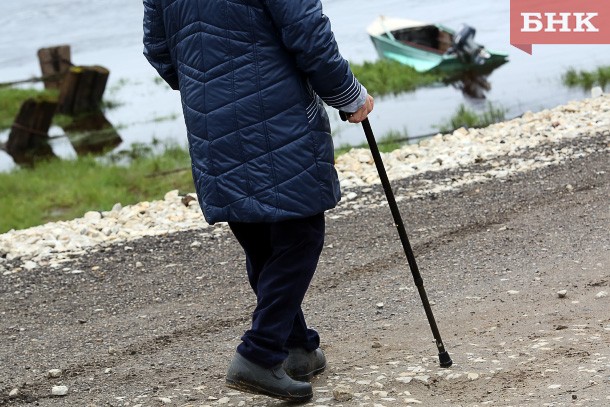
<point x="155" y="321"/>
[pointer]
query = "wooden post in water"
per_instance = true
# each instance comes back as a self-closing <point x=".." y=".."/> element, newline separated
<point x="54" y="63"/>
<point x="82" y="89"/>
<point x="28" y="139"/>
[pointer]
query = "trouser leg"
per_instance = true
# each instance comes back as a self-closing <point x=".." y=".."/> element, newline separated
<point x="301" y="336"/>
<point x="280" y="286"/>
<point x="255" y="239"/>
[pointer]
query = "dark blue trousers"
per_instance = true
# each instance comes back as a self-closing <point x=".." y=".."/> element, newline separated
<point x="281" y="259"/>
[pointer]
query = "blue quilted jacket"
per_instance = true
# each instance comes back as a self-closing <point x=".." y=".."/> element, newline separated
<point x="251" y="74"/>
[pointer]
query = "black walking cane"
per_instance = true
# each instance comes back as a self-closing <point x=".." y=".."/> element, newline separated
<point x="443" y="355"/>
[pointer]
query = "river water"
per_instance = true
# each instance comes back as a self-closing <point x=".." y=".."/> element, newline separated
<point x="109" y="33"/>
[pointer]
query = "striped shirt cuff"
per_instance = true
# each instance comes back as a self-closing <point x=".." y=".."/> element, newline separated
<point x="356" y="104"/>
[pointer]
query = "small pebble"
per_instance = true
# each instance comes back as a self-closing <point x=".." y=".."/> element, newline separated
<point x="562" y="293"/>
<point x="601" y="294"/>
<point x="342" y="393"/>
<point x="13" y="394"/>
<point x="54" y="373"/>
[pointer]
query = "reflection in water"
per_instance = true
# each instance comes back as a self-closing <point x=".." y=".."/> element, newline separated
<point x="473" y="83"/>
<point x="26" y="151"/>
<point x="88" y="134"/>
<point x="92" y="134"/>
<point x="28" y="139"/>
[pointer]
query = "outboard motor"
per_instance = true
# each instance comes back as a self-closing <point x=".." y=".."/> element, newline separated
<point x="466" y="49"/>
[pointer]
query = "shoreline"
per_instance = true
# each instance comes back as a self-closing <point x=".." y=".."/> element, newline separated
<point x="489" y="154"/>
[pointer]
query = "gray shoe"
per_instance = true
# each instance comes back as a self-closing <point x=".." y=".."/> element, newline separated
<point x="249" y="377"/>
<point x="302" y="365"/>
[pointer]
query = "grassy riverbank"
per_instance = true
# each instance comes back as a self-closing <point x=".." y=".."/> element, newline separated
<point x="66" y="189"/>
<point x="384" y="77"/>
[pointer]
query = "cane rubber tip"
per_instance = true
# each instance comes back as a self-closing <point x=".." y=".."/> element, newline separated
<point x="445" y="359"/>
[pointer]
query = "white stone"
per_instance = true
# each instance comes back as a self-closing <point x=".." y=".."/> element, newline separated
<point x="601" y="294"/>
<point x="596" y="91"/>
<point x="93" y="216"/>
<point x="171" y="195"/>
<point x="562" y="293"/>
<point x="13" y="394"/>
<point x="59" y="390"/>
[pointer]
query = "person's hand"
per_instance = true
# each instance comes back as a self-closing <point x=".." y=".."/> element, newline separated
<point x="363" y="112"/>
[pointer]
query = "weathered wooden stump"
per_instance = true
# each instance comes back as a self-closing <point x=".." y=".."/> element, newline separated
<point x="82" y="89"/>
<point x="92" y="134"/>
<point x="54" y="63"/>
<point x="28" y="139"/>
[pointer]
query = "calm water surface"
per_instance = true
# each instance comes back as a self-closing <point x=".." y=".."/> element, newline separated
<point x="109" y="33"/>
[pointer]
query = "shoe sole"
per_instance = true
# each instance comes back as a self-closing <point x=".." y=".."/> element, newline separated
<point x="250" y="388"/>
<point x="308" y="376"/>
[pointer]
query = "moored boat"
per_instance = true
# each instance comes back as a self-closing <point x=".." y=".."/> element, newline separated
<point x="431" y="47"/>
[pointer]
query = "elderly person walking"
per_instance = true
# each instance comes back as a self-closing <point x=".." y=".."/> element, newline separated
<point x="252" y="75"/>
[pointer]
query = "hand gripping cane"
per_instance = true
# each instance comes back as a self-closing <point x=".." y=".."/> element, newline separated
<point x="443" y="355"/>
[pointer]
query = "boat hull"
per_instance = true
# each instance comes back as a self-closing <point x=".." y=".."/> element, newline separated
<point x="423" y="60"/>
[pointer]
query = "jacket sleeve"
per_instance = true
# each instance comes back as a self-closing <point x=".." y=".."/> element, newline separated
<point x="155" y="43"/>
<point x="306" y="32"/>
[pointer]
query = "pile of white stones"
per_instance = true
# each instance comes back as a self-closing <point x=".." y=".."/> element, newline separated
<point x="59" y="240"/>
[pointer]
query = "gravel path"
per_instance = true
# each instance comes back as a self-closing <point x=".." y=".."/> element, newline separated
<point x="512" y="240"/>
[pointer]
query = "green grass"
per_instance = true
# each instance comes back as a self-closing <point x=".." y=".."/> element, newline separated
<point x="587" y="79"/>
<point x="465" y="117"/>
<point x="66" y="189"/>
<point x="385" y="77"/>
<point x="11" y="100"/>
